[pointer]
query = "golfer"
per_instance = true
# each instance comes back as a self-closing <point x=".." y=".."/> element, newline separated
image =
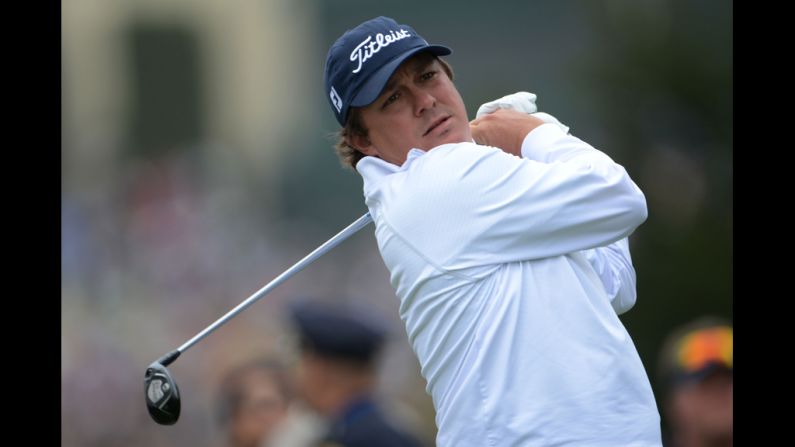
<point x="506" y="241"/>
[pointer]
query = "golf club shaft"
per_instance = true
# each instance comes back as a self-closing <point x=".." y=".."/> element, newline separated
<point x="349" y="231"/>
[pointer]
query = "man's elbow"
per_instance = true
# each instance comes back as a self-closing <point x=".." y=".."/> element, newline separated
<point x="627" y="200"/>
<point x="633" y="203"/>
<point x="638" y="210"/>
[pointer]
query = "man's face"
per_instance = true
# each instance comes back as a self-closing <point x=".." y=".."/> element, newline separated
<point x="263" y="407"/>
<point x="419" y="108"/>
<point x="312" y="380"/>
<point x="704" y="409"/>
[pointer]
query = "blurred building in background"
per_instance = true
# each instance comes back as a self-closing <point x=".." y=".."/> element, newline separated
<point x="197" y="166"/>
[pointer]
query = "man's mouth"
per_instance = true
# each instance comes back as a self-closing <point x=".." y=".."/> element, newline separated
<point x="436" y="124"/>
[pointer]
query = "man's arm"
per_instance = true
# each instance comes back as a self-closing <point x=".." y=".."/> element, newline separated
<point x="479" y="205"/>
<point x="505" y="129"/>
<point x="612" y="263"/>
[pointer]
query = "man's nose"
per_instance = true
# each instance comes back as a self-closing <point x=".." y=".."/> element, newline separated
<point x="423" y="100"/>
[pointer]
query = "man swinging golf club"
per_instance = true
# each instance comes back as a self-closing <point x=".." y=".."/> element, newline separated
<point x="506" y="240"/>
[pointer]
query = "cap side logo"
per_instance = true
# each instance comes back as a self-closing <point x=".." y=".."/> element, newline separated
<point x="336" y="100"/>
<point x="365" y="51"/>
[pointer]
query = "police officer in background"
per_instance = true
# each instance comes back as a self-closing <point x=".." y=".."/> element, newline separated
<point x="337" y="376"/>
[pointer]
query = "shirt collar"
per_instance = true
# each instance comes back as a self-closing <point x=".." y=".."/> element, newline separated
<point x="373" y="169"/>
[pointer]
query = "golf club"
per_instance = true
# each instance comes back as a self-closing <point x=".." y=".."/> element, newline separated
<point x="161" y="391"/>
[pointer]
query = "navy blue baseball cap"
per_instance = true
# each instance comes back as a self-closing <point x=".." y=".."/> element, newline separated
<point x="337" y="331"/>
<point x="360" y="63"/>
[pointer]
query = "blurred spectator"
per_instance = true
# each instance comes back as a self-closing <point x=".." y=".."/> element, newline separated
<point x="696" y="370"/>
<point x="253" y="399"/>
<point x="337" y="376"/>
<point x="301" y="427"/>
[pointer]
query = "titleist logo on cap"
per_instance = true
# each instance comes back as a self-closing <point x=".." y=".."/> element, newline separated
<point x="365" y="51"/>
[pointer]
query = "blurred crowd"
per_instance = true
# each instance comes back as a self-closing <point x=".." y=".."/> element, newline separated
<point x="148" y="266"/>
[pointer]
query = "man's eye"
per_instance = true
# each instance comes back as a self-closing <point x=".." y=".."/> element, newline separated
<point x="391" y="99"/>
<point x="428" y="75"/>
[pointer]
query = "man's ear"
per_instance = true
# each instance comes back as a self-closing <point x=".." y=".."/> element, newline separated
<point x="363" y="145"/>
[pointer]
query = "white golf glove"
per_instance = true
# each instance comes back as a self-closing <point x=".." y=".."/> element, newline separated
<point x="521" y="102"/>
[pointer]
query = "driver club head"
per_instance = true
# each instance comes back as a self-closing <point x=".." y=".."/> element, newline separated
<point x="162" y="394"/>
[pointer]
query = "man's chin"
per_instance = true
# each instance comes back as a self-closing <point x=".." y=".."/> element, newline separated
<point x="450" y="138"/>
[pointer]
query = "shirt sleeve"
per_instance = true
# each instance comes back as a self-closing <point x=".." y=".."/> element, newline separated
<point x="475" y="205"/>
<point x="613" y="264"/>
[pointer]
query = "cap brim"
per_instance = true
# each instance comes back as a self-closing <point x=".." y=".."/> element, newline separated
<point x="375" y="85"/>
<point x="701" y="374"/>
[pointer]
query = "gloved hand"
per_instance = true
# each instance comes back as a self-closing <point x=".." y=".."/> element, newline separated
<point x="521" y="102"/>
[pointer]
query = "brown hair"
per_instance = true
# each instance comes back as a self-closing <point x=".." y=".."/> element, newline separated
<point x="235" y="384"/>
<point x="348" y="154"/>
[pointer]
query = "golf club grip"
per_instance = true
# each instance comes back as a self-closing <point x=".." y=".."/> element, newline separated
<point x="349" y="231"/>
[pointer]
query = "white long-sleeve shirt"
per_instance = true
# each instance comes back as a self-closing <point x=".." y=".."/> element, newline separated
<point x="510" y="273"/>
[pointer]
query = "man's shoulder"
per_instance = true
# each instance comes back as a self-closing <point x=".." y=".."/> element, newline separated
<point x="373" y="429"/>
<point x="367" y="426"/>
<point x="448" y="157"/>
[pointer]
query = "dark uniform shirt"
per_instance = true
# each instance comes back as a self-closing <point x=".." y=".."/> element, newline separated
<point x="363" y="425"/>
